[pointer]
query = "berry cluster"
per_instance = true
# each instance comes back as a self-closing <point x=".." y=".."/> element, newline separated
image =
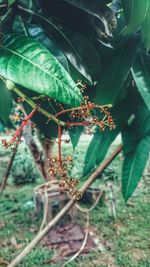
<point x="59" y="170"/>
<point x="14" y="140"/>
<point x="84" y="115"/>
<point x="16" y="137"/>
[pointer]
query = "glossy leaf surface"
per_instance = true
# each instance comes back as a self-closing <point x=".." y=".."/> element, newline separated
<point x="31" y="65"/>
<point x="141" y="75"/>
<point x="38" y="34"/>
<point x="146" y="30"/>
<point x="115" y="72"/>
<point x="135" y="12"/>
<point x="5" y="102"/>
<point x="133" y="167"/>
<point x="137" y="130"/>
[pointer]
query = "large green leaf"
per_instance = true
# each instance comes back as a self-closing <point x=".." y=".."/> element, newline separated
<point x="98" y="148"/>
<point x="32" y="30"/>
<point x="101" y="16"/>
<point x="57" y="33"/>
<point x="146" y="30"/>
<point x="133" y="167"/>
<point x="28" y="63"/>
<point x="83" y="16"/>
<point x="83" y="46"/>
<point x="137" y="130"/>
<point x="87" y="52"/>
<point x="5" y="102"/>
<point x="115" y="72"/>
<point x="135" y="12"/>
<point x="38" y="34"/>
<point x="92" y="7"/>
<point x="141" y="74"/>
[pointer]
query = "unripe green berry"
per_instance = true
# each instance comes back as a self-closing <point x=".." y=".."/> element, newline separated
<point x="10" y="85"/>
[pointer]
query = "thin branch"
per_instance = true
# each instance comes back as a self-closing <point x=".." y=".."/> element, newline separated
<point x="34" y="106"/>
<point x="59" y="145"/>
<point x="80" y="108"/>
<point x="68" y="206"/>
<point x="9" y="168"/>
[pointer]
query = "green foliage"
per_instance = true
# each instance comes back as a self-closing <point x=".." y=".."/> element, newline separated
<point x="86" y="17"/>
<point x="24" y="170"/>
<point x="5" y="102"/>
<point x="98" y="148"/>
<point x="133" y="166"/>
<point x="116" y="69"/>
<point x="146" y="30"/>
<point x="138" y="129"/>
<point x="135" y="12"/>
<point x="2" y="129"/>
<point x="37" y="257"/>
<point x="49" y="130"/>
<point x="11" y="2"/>
<point x="141" y="75"/>
<point x="125" y="237"/>
<point x="52" y="44"/>
<point x="136" y="141"/>
<point x="38" y="34"/>
<point x="101" y="141"/>
<point x="32" y="66"/>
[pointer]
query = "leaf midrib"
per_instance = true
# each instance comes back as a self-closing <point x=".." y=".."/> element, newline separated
<point x="34" y="64"/>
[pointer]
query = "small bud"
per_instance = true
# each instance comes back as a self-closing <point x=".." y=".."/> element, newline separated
<point x="10" y="85"/>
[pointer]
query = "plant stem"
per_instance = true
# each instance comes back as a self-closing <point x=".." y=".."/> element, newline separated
<point x="9" y="169"/>
<point x="82" y="123"/>
<point x="25" y="121"/>
<point x="34" y="106"/>
<point x="59" y="145"/>
<point x="80" y="108"/>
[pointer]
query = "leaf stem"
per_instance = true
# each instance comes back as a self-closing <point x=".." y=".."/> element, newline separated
<point x="82" y="123"/>
<point x="41" y="110"/>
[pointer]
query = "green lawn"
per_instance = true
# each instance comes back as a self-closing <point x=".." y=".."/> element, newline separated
<point x="126" y="240"/>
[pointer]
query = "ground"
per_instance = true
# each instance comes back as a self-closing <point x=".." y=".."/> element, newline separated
<point x="125" y="241"/>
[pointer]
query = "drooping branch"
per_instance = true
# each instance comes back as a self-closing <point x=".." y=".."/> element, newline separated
<point x="68" y="206"/>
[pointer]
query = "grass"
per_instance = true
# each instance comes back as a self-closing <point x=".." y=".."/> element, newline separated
<point x="126" y="241"/>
